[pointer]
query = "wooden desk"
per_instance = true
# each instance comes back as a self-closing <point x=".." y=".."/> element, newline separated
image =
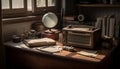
<point x="24" y="56"/>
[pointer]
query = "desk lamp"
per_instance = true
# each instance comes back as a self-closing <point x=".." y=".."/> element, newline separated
<point x="50" y="20"/>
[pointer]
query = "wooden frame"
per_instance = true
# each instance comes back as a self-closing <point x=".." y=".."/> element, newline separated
<point x="35" y="10"/>
<point x="11" y="12"/>
<point x="42" y="10"/>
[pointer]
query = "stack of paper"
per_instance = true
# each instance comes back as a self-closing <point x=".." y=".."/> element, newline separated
<point x="51" y="49"/>
<point x="40" y="42"/>
<point x="88" y="53"/>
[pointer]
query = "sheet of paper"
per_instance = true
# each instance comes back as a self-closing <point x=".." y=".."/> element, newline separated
<point x="50" y="48"/>
<point x="81" y="29"/>
<point x="88" y="53"/>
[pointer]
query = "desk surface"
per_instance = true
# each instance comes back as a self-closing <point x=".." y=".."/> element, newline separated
<point x="102" y="53"/>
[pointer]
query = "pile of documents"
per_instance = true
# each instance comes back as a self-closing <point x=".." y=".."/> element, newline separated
<point x="39" y="42"/>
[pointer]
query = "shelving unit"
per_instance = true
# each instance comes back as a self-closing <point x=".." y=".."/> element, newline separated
<point x="93" y="11"/>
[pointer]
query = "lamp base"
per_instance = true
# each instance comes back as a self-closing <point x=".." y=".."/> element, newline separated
<point x="53" y="34"/>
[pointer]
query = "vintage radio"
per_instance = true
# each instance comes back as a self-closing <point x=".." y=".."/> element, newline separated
<point x="82" y="36"/>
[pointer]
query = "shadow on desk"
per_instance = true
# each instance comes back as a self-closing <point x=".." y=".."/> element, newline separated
<point x="116" y="58"/>
<point x="25" y="59"/>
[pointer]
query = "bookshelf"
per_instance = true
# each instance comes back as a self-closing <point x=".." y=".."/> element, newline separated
<point x="94" y="10"/>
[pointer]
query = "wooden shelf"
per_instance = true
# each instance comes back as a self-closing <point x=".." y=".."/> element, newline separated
<point x="97" y="5"/>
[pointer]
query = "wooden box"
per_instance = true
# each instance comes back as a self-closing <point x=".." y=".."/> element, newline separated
<point x="82" y="36"/>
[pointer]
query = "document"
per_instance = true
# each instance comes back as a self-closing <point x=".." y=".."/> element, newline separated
<point x="51" y="49"/>
<point x="88" y="53"/>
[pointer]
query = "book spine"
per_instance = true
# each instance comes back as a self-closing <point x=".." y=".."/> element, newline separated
<point x="98" y="23"/>
<point x="104" y="26"/>
<point x="107" y="26"/>
<point x="112" y="27"/>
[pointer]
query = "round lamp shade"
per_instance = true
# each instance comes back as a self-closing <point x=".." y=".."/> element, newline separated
<point x="49" y="20"/>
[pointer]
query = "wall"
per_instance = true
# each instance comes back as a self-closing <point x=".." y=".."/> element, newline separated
<point x="15" y="29"/>
<point x="92" y="13"/>
<point x="2" y="52"/>
<point x="69" y="7"/>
